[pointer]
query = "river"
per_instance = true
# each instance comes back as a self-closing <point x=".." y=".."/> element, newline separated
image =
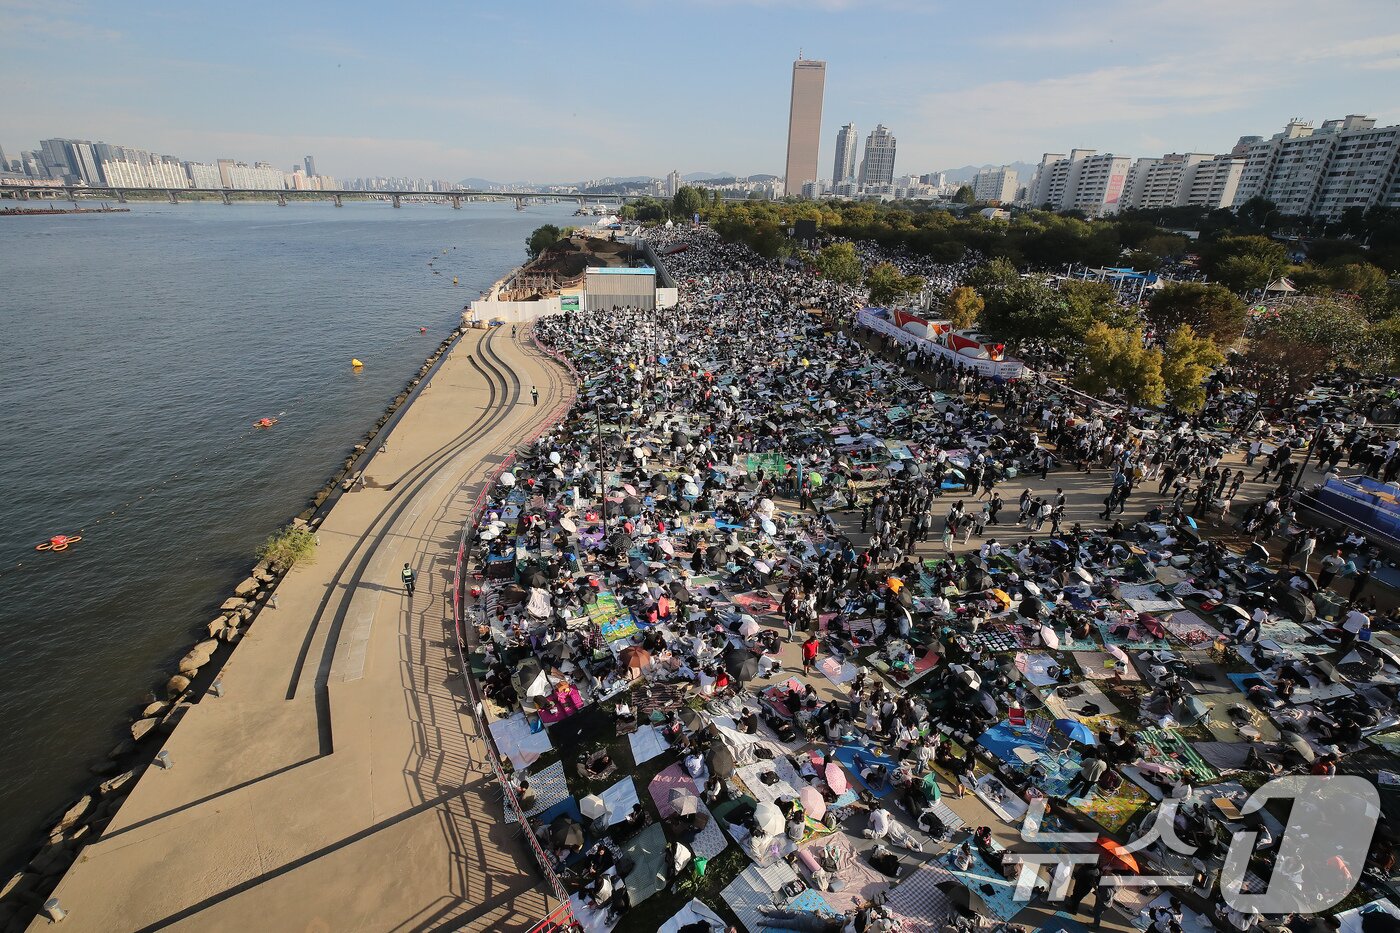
<point x="138" y="351"/>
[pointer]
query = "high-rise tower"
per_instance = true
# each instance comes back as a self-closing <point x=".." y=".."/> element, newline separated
<point x="846" y="142"/>
<point x="804" y="124"/>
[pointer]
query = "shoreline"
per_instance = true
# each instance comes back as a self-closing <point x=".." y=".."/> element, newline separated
<point x="41" y="862"/>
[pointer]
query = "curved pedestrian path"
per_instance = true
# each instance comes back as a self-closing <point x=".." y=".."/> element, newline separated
<point x="338" y="782"/>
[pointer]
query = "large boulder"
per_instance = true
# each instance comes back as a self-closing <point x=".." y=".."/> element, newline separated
<point x="19" y="883"/>
<point x="74" y="813"/>
<point x="52" y="859"/>
<point x="116" y="783"/>
<point x="232" y="604"/>
<point x="217" y="627"/>
<point x="177" y="685"/>
<point x="156" y="708"/>
<point x="141" y="727"/>
<point x="247" y="588"/>
<point x="198" y="656"/>
<point x="124" y="747"/>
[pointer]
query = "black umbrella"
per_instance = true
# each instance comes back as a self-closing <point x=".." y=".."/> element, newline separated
<point x="631" y="506"/>
<point x="1257" y="553"/>
<point x="620" y="542"/>
<point x="533" y="577"/>
<point x="691" y="719"/>
<point x="565" y="833"/>
<point x="1239" y="612"/>
<point x="1032" y="606"/>
<point x="721" y="760"/>
<point x="1296" y="605"/>
<point x="906" y="598"/>
<point x="741" y="663"/>
<point x="679" y="593"/>
<point x="1298" y="744"/>
<point x="679" y="439"/>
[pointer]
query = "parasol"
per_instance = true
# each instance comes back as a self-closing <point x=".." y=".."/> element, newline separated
<point x="566" y="834"/>
<point x="692" y="719"/>
<point x="836" y="778"/>
<point x="1117" y="854"/>
<point x="1076" y="731"/>
<point x="507" y="480"/>
<point x="592" y="806"/>
<point x="741" y="663"/>
<point x="721" y="760"/>
<point x="684" y="802"/>
<point x="812" y="803"/>
<point x="634" y="658"/>
<point x="769" y="819"/>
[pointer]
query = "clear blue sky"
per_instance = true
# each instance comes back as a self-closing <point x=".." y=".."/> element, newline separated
<point x="557" y="91"/>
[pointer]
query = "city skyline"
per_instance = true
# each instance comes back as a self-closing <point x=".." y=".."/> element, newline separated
<point x="1133" y="81"/>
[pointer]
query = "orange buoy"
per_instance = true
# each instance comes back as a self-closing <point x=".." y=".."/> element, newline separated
<point x="58" y="543"/>
<point x="422" y="330"/>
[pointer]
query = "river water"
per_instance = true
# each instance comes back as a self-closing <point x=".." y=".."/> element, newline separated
<point x="137" y="351"/>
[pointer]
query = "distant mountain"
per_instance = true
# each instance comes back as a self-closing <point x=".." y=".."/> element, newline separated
<point x="957" y="176"/>
<point x="706" y="176"/>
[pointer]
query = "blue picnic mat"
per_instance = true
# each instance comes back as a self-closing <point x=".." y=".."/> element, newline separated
<point x="1001" y="901"/>
<point x="1245" y="681"/>
<point x="847" y="755"/>
<point x="813" y="903"/>
<point x="567" y="807"/>
<point x="550" y="787"/>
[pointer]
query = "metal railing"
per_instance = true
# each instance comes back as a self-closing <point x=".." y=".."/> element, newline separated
<point x="561" y="917"/>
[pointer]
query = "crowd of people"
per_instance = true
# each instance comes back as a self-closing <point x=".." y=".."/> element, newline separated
<point x="785" y="551"/>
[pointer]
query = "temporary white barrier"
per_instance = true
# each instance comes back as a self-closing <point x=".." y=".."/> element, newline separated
<point x="1005" y="368"/>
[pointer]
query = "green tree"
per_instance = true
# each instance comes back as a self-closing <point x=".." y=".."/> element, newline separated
<point x="839" y="263"/>
<point x="1292" y="346"/>
<point x="887" y="284"/>
<point x="964" y="195"/>
<point x="1164" y="245"/>
<point x="1084" y="304"/>
<point x="1245" y="262"/>
<point x="1187" y="360"/>
<point x="542" y="239"/>
<point x="1212" y="310"/>
<point x="686" y="202"/>
<point x="1115" y="359"/>
<point x="964" y="307"/>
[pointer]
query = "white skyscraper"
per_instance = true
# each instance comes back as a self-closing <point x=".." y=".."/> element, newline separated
<point x="995" y="184"/>
<point x="877" y="165"/>
<point x="1321" y="172"/>
<point x="846" y="143"/>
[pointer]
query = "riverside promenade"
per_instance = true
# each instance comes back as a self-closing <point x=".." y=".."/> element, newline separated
<point x="338" y="783"/>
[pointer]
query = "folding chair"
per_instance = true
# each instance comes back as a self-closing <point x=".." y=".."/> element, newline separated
<point x="1016" y="718"/>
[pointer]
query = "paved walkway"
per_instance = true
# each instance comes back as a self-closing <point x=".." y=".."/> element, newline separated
<point x="337" y="784"/>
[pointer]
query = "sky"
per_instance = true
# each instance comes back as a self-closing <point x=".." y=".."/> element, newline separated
<point x="545" y="91"/>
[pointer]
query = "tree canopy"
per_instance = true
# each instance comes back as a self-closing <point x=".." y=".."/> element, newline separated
<point x="1187" y="360"/>
<point x="541" y="239"/>
<point x="1212" y="310"/>
<point x="887" y="284"/>
<point x="964" y="307"/>
<point x="839" y="263"/>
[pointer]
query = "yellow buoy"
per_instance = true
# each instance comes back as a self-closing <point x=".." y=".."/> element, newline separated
<point x="454" y="280"/>
<point x="356" y="363"/>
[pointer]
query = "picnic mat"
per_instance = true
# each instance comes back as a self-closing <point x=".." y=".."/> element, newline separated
<point x="710" y="841"/>
<point x="1191" y="921"/>
<point x="1095" y="665"/>
<point x="661" y="786"/>
<point x="755" y="887"/>
<point x="991" y="640"/>
<point x="988" y="885"/>
<point x="1222" y="728"/>
<point x="1000" y="799"/>
<point x="918" y="903"/>
<point x="646" y="743"/>
<point x="1143" y="643"/>
<point x="648" y="698"/>
<point x="591" y="919"/>
<point x="647" y="850"/>
<point x="694" y="912"/>
<point x="1088" y="703"/>
<point x="1113" y="811"/>
<point x="1036" y="668"/>
<point x="620" y="799"/>
<point x="862" y="883"/>
<point x="787" y="785"/>
<point x="811" y="902"/>
<point x="1178" y="751"/>
<point x="1352" y="920"/>
<point x="848" y="754"/>
<point x="1190" y="629"/>
<point x="838" y="672"/>
<point x="550" y="787"/>
<point x="515" y="741"/>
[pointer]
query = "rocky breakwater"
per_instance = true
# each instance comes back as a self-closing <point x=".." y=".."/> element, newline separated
<point x="194" y="676"/>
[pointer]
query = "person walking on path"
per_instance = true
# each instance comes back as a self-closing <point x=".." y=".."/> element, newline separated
<point x="809" y="653"/>
<point x="534" y="395"/>
<point x="408" y="579"/>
